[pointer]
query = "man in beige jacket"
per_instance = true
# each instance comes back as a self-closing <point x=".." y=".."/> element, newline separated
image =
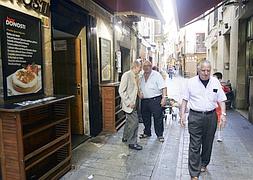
<point x="128" y="90"/>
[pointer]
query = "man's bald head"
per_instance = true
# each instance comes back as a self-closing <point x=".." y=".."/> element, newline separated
<point x="147" y="63"/>
<point x="147" y="66"/>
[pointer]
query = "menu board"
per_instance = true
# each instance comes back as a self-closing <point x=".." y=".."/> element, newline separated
<point x="21" y="54"/>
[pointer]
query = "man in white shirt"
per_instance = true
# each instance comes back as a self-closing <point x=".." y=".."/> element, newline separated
<point x="202" y="93"/>
<point x="128" y="91"/>
<point x="153" y="94"/>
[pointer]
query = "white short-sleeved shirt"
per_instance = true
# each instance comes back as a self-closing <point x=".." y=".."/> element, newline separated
<point x="154" y="85"/>
<point x="201" y="98"/>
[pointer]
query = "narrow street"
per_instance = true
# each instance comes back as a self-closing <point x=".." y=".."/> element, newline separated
<point x="105" y="157"/>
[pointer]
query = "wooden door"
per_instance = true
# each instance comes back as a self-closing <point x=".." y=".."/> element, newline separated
<point x="67" y="77"/>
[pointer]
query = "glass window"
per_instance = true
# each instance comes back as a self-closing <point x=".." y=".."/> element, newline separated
<point x="208" y="26"/>
<point x="200" y="43"/>
<point x="215" y="17"/>
<point x="250" y="56"/>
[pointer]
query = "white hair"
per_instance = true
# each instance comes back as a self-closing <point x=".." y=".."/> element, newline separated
<point x="136" y="63"/>
<point x="202" y="62"/>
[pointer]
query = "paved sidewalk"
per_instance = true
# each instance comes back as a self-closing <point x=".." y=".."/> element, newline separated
<point x="106" y="158"/>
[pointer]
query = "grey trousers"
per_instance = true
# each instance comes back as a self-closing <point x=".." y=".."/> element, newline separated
<point x="202" y="129"/>
<point x="131" y="127"/>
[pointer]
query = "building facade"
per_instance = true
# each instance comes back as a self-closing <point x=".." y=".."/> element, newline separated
<point x="191" y="47"/>
<point x="229" y="47"/>
<point x="83" y="46"/>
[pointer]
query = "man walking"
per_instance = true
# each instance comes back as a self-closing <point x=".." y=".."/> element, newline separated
<point x="203" y="92"/>
<point x="128" y="90"/>
<point x="153" y="94"/>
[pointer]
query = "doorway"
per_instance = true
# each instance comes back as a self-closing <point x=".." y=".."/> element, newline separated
<point x="249" y="58"/>
<point x="67" y="79"/>
<point x="125" y="60"/>
<point x="73" y="23"/>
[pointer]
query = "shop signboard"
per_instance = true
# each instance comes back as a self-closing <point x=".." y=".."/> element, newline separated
<point x="40" y="6"/>
<point x="21" y="52"/>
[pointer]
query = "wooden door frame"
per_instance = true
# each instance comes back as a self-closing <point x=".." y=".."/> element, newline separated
<point x="95" y="102"/>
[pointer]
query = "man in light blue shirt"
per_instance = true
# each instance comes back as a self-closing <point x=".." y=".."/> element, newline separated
<point x="153" y="92"/>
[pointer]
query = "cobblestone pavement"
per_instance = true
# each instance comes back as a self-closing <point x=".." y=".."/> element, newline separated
<point x="105" y="157"/>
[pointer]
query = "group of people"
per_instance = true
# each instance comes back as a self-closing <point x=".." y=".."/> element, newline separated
<point x="151" y="90"/>
<point x="202" y="95"/>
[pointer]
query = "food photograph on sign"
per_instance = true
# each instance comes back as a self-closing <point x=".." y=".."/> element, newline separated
<point x="25" y="80"/>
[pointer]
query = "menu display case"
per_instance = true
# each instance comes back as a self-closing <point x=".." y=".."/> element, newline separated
<point x="36" y="139"/>
<point x="113" y="116"/>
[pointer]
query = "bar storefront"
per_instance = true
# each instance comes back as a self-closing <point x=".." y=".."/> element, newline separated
<point x="62" y="47"/>
<point x="35" y="136"/>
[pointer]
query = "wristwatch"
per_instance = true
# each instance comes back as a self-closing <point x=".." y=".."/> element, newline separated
<point x="224" y="114"/>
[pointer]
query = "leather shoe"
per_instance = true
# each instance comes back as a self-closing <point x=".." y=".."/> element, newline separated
<point x="203" y="169"/>
<point x="194" y="178"/>
<point x="142" y="136"/>
<point x="124" y="140"/>
<point x="135" y="146"/>
<point x="161" y="139"/>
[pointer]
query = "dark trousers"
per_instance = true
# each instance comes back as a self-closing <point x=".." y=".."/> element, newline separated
<point x="153" y="107"/>
<point x="202" y="129"/>
<point x="138" y="102"/>
<point x="130" y="132"/>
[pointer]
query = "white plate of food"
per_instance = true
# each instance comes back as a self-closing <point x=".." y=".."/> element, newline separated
<point x="25" y="81"/>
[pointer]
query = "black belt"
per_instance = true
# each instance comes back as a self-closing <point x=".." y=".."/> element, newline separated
<point x="153" y="98"/>
<point x="203" y="112"/>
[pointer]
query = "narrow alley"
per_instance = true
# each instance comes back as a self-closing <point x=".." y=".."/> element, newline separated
<point x="75" y="73"/>
<point x="105" y="157"/>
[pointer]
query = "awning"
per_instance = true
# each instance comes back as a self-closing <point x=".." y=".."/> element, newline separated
<point x="187" y="10"/>
<point x="147" y="8"/>
<point x="68" y="17"/>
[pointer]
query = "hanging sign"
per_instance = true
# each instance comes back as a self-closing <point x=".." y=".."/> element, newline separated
<point x="21" y="53"/>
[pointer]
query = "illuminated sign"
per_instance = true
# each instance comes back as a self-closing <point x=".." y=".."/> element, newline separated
<point x="40" y="6"/>
<point x="21" y="52"/>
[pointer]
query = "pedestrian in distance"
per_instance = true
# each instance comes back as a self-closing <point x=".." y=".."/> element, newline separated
<point x="170" y="72"/>
<point x="175" y="109"/>
<point x="218" y="75"/>
<point x="153" y="94"/>
<point x="202" y="93"/>
<point x="128" y="91"/>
